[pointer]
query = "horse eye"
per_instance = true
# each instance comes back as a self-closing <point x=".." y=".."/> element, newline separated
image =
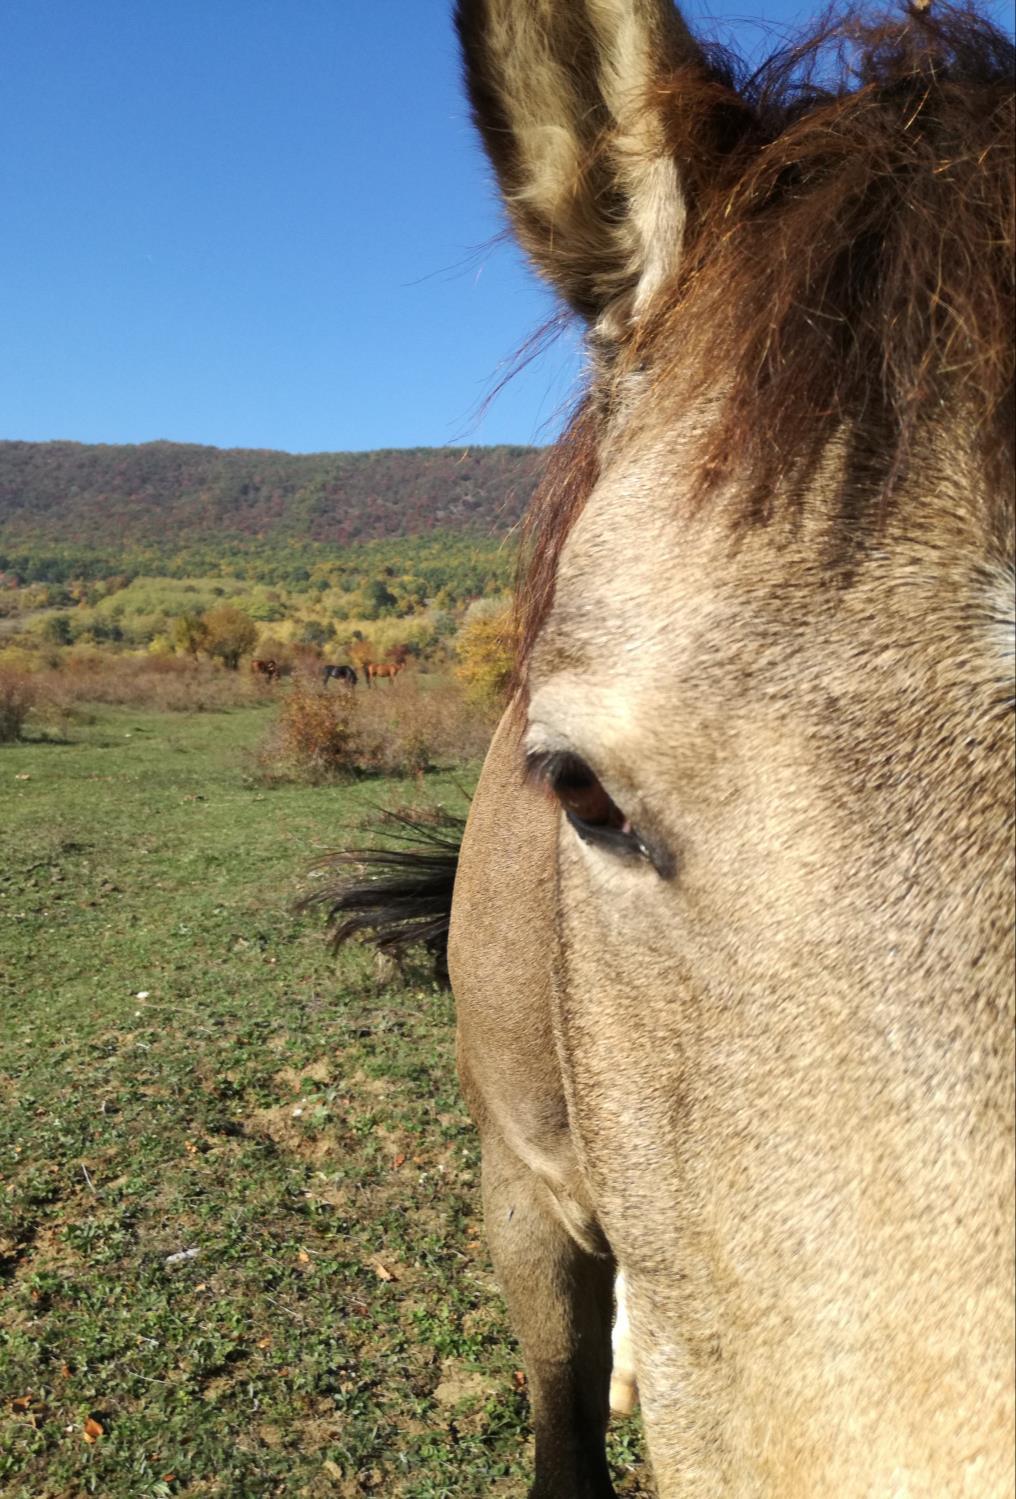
<point x="592" y="811"/>
<point x="583" y="797"/>
<point x="588" y="806"/>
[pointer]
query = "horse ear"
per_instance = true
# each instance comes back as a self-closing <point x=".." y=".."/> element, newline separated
<point x="562" y="94"/>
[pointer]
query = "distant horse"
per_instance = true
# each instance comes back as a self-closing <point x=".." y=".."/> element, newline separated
<point x="731" y="939"/>
<point x="265" y="668"/>
<point x="375" y="669"/>
<point x="344" y="674"/>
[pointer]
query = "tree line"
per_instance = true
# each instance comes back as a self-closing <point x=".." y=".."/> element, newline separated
<point x="65" y="497"/>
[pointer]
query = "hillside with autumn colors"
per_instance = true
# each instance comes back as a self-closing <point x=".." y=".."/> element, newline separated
<point x="162" y="495"/>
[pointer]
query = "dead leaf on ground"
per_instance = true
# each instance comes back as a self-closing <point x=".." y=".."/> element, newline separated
<point x="382" y="1271"/>
<point x="28" y="1410"/>
<point x="93" y="1430"/>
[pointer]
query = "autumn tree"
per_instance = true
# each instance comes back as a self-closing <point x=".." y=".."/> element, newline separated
<point x="189" y="633"/>
<point x="378" y="599"/>
<point x="57" y="630"/>
<point x="314" y="632"/>
<point x="360" y="650"/>
<point x="484" y="647"/>
<point x="229" y="634"/>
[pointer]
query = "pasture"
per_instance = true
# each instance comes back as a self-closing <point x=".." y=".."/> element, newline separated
<point x="240" y="1249"/>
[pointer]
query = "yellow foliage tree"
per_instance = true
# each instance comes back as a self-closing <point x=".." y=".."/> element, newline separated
<point x="484" y="646"/>
<point x="189" y="633"/>
<point x="229" y="634"/>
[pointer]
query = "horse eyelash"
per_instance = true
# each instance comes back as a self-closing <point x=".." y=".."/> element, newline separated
<point x="545" y="767"/>
<point x="547" y="770"/>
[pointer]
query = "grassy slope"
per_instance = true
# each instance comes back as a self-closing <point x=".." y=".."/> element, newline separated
<point x="339" y="1331"/>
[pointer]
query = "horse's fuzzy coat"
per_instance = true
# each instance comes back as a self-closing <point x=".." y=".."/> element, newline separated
<point x="764" y="610"/>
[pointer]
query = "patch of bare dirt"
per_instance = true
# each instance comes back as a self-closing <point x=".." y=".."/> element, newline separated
<point x="294" y="1077"/>
<point x="280" y="1126"/>
<point x="459" y="1384"/>
<point x="332" y="1194"/>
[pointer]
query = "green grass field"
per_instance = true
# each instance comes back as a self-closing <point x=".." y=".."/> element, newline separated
<point x="240" y="1250"/>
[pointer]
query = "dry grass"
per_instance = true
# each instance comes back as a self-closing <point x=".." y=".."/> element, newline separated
<point x="71" y="680"/>
<point x="320" y="733"/>
<point x="400" y="728"/>
<point x="429" y="717"/>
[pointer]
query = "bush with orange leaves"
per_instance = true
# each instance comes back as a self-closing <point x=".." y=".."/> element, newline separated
<point x="313" y="738"/>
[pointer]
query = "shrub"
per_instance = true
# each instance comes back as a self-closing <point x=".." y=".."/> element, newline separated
<point x="57" y="629"/>
<point x="313" y="738"/>
<point x="327" y="734"/>
<point x="17" y="659"/>
<point x="378" y="599"/>
<point x="314" y="632"/>
<point x="17" y="698"/>
<point x="305" y="660"/>
<point x="360" y="651"/>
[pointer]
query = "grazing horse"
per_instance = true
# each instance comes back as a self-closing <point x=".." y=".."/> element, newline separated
<point x="268" y="668"/>
<point x="375" y="669"/>
<point x="344" y="674"/>
<point x="731" y="940"/>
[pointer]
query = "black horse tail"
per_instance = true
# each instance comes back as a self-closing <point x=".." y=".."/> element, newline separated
<point x="397" y="896"/>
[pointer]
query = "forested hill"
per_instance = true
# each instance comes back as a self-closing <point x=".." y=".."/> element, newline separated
<point x="162" y="493"/>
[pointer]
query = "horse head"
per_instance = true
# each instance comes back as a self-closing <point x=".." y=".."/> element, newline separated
<point x="767" y="630"/>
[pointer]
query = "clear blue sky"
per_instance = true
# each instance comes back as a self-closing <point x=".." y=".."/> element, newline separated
<point x="262" y="223"/>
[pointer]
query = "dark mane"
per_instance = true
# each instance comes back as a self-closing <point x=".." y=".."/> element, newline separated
<point x="848" y="269"/>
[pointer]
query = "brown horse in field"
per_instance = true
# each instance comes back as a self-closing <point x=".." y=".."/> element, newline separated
<point x="731" y="939"/>
<point x="268" y="668"/>
<point x="375" y="669"/>
<point x="732" y="932"/>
